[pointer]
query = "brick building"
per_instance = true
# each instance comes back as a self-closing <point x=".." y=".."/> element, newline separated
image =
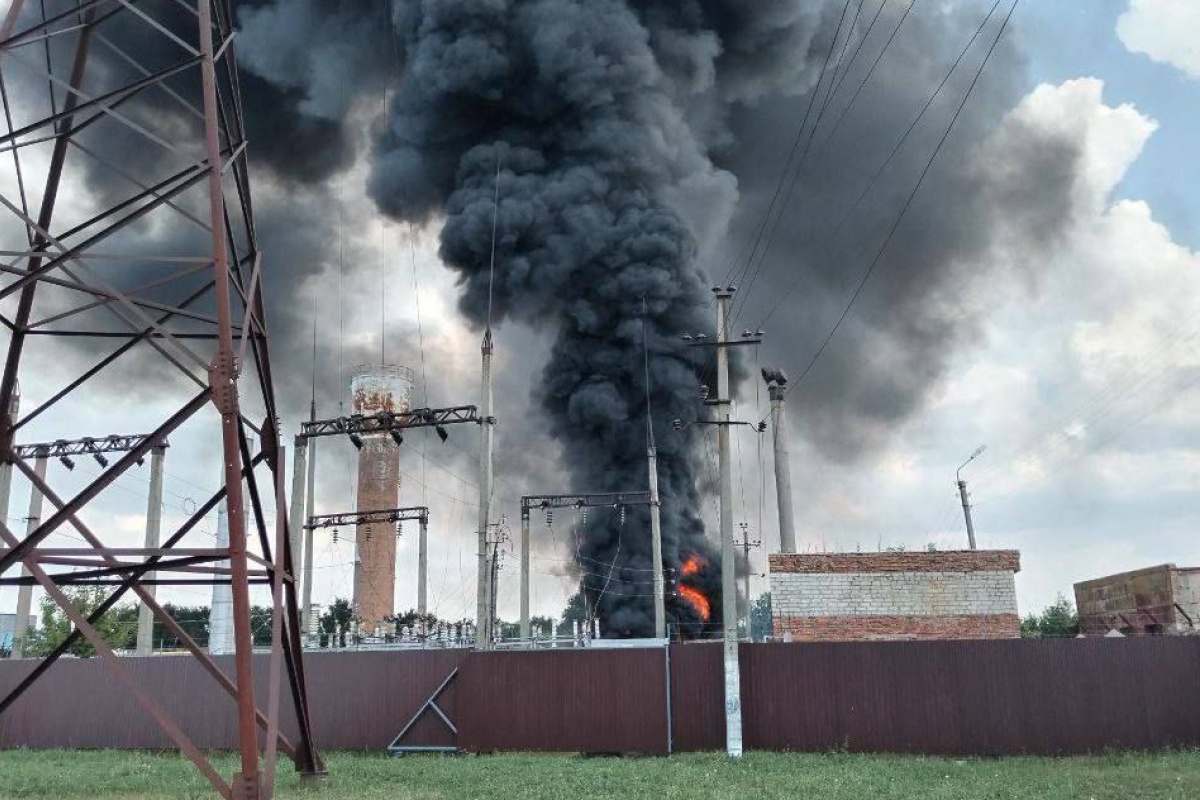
<point x="922" y="595"/>
<point x="1162" y="599"/>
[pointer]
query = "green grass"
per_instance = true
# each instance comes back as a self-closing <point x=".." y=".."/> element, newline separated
<point x="125" y="775"/>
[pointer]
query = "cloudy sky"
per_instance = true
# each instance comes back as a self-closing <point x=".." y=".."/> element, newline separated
<point x="1055" y="330"/>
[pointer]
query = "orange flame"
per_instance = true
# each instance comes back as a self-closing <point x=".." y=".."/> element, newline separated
<point x="693" y="566"/>
<point x="697" y="600"/>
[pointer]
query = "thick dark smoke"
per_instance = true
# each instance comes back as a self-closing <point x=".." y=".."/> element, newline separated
<point x="605" y="119"/>
<point x="594" y="114"/>
<point x="638" y="144"/>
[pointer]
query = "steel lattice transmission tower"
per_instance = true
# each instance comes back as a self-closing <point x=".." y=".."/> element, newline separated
<point x="164" y="272"/>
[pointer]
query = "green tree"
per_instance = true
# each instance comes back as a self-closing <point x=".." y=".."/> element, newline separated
<point x="117" y="626"/>
<point x="336" y="622"/>
<point x="760" y="617"/>
<point x="193" y="620"/>
<point x="1057" y="620"/>
<point x="260" y="625"/>
<point x="576" y="611"/>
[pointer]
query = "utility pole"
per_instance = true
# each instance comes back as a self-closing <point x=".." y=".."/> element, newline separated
<point x="962" y="494"/>
<point x="746" y="546"/>
<point x="310" y="504"/>
<point x="656" y="558"/>
<point x="220" y="611"/>
<point x="297" y="518"/>
<point x="525" y="632"/>
<point x="145" y="631"/>
<point x="223" y="625"/>
<point x="497" y="534"/>
<point x="25" y="592"/>
<point x="724" y="421"/>
<point x="309" y="509"/>
<point x="483" y="632"/>
<point x="777" y="388"/>
<point x="733" y="692"/>
<point x="423" y="566"/>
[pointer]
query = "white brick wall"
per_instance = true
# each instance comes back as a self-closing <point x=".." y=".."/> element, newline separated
<point x="893" y="594"/>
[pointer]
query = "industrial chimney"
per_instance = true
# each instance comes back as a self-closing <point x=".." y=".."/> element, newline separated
<point x="375" y="390"/>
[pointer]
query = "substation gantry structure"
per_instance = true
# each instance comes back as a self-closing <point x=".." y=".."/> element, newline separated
<point x="391" y="516"/>
<point x="163" y="268"/>
<point x="393" y="424"/>
<point x="548" y="502"/>
<point x="66" y="451"/>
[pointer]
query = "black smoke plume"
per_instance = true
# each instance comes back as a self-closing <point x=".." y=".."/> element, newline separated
<point x="621" y="133"/>
<point x="638" y="144"/>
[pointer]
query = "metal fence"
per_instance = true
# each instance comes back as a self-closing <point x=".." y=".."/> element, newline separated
<point x="961" y="698"/>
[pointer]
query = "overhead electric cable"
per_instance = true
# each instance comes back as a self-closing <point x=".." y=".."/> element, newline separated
<point x="907" y="204"/>
<point x="892" y="155"/>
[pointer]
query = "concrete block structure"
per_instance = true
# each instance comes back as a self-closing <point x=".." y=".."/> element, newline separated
<point x="968" y="594"/>
<point x="1157" y="600"/>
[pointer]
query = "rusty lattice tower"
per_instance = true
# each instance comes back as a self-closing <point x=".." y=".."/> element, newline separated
<point x="160" y="278"/>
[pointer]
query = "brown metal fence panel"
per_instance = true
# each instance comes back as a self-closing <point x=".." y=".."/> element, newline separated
<point x="586" y="701"/>
<point x="981" y="698"/>
<point x="697" y="697"/>
<point x="973" y="698"/>
<point x="358" y="701"/>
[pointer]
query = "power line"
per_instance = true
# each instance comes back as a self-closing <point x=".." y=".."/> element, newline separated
<point x="892" y="155"/>
<point x="787" y="168"/>
<point x="748" y="288"/>
<point x="907" y="204"/>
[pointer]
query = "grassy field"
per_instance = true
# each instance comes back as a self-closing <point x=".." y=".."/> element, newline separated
<point x="111" y="775"/>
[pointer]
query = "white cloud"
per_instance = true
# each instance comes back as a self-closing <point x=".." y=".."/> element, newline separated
<point x="1168" y="31"/>
<point x="1078" y="387"/>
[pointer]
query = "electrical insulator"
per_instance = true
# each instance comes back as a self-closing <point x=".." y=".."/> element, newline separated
<point x="583" y="516"/>
<point x="549" y="518"/>
<point x="367" y="532"/>
<point x="335" y="535"/>
<point x="622" y="515"/>
<point x="399" y="528"/>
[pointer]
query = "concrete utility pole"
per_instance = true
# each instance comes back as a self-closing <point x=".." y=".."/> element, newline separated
<point x="724" y="422"/>
<point x="483" y="630"/>
<point x="497" y="535"/>
<point x="656" y="559"/>
<point x="525" y="632"/>
<point x="297" y="517"/>
<point x="423" y="567"/>
<point x="222" y="619"/>
<point x="777" y="388"/>
<point x="310" y="508"/>
<point x="220" y="612"/>
<point x="733" y="691"/>
<point x="962" y="493"/>
<point x="145" y="631"/>
<point x="660" y="609"/>
<point x="25" y="593"/>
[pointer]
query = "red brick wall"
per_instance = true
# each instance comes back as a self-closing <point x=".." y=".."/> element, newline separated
<point x="832" y="629"/>
<point x="948" y="561"/>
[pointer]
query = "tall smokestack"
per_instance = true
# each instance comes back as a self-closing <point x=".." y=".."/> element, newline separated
<point x="374" y="390"/>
